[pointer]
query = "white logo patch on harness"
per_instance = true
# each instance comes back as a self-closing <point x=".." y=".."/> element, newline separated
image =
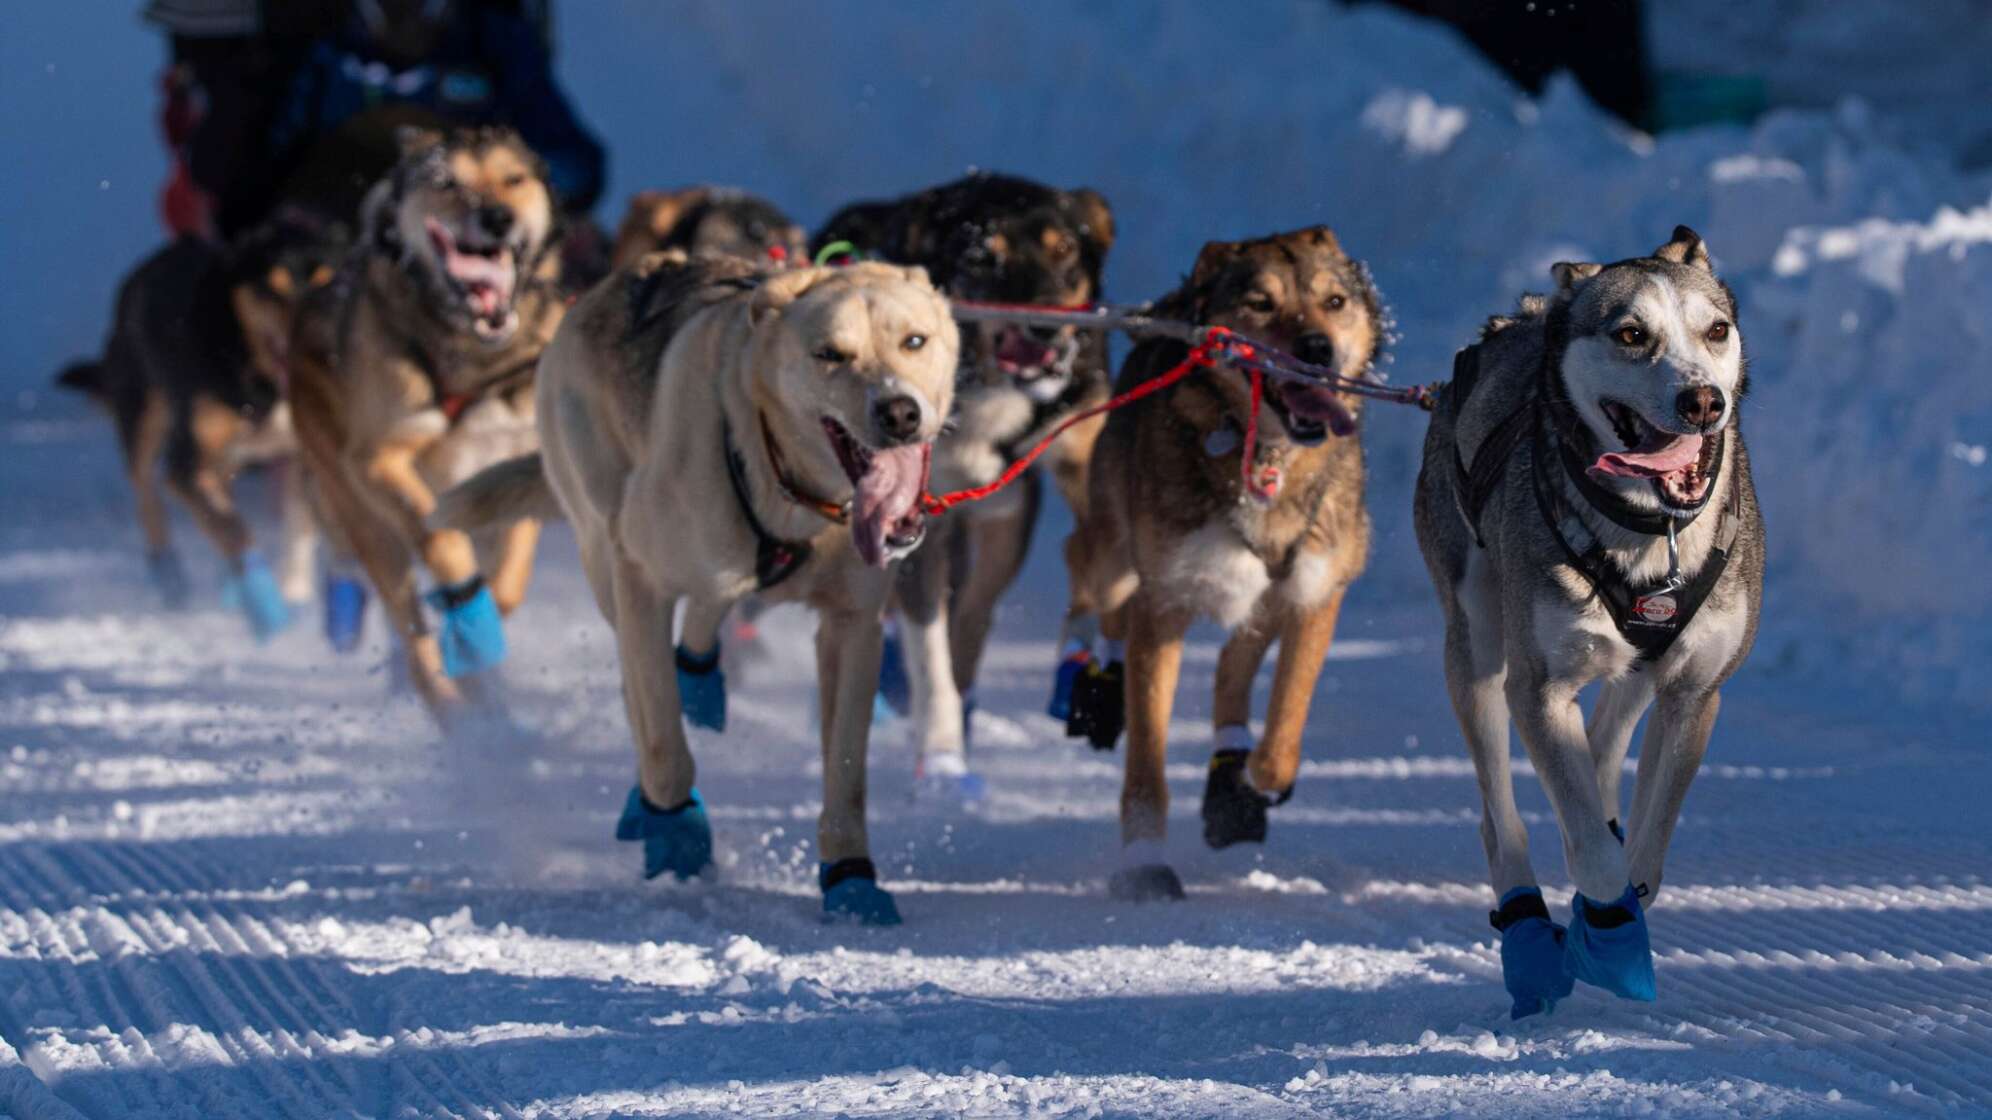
<point x="1655" y="608"/>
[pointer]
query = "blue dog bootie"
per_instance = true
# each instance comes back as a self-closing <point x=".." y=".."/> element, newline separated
<point x="1531" y="953"/>
<point x="895" y="688"/>
<point x="675" y="840"/>
<point x="345" y="612"/>
<point x="1072" y="661"/>
<point x="168" y="577"/>
<point x="851" y="890"/>
<point x="253" y="591"/>
<point x="1608" y="946"/>
<point x="472" y="636"/>
<point x="702" y="688"/>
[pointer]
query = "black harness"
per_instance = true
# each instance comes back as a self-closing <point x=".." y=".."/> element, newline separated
<point x="1648" y="616"/>
<point x="775" y="559"/>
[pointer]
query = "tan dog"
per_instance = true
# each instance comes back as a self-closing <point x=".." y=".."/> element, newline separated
<point x="707" y="221"/>
<point x="1176" y="535"/>
<point x="415" y="370"/>
<point x="713" y="431"/>
<point x="1009" y="240"/>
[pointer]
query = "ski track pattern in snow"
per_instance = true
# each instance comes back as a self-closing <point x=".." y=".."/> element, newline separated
<point x="240" y="882"/>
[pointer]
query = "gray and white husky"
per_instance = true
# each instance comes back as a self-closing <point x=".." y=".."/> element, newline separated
<point x="1586" y="512"/>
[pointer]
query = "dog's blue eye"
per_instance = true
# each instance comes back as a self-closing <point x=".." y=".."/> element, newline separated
<point x="832" y="355"/>
<point x="913" y="341"/>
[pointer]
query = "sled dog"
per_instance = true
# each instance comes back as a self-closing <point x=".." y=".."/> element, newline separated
<point x="1174" y="534"/>
<point x="707" y="221"/>
<point x="413" y="370"/>
<point x="1586" y="512"/>
<point x="1002" y="239"/>
<point x="193" y="376"/>
<point x="712" y="431"/>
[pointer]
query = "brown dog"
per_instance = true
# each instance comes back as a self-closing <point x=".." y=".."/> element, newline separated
<point x="415" y="370"/>
<point x="707" y="221"/>
<point x="1176" y="534"/>
<point x="1003" y="239"/>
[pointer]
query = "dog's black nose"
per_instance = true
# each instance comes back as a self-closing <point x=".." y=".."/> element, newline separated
<point x="1315" y="349"/>
<point x="898" y="418"/>
<point x="1701" y="406"/>
<point x="495" y="220"/>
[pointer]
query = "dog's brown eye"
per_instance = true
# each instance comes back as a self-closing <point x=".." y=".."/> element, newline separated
<point x="913" y="342"/>
<point x="1258" y="301"/>
<point x="831" y="355"/>
<point x="1630" y="336"/>
<point x="514" y="181"/>
<point x="1337" y="303"/>
<point x="1719" y="332"/>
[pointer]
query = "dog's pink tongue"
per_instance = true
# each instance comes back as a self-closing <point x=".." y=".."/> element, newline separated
<point x="887" y="500"/>
<point x="1020" y="349"/>
<point x="1318" y="404"/>
<point x="1662" y="453"/>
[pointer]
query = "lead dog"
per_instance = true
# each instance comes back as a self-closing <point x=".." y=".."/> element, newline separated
<point x="1004" y="239"/>
<point x="413" y="370"/>
<point x="1175" y="535"/>
<point x="713" y="431"/>
<point x="193" y="377"/>
<point x="1586" y="511"/>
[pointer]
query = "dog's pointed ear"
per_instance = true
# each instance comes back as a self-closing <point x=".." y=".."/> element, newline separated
<point x="1325" y="238"/>
<point x="1569" y="274"/>
<point x="1094" y="217"/>
<point x="1686" y="248"/>
<point x="649" y="221"/>
<point x="1211" y="260"/>
<point x="780" y="289"/>
<point x="410" y="139"/>
<point x="377" y="213"/>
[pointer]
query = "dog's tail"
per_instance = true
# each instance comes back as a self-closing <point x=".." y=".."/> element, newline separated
<point x="86" y="377"/>
<point x="503" y="492"/>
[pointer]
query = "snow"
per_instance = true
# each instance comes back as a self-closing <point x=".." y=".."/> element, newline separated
<point x="242" y="882"/>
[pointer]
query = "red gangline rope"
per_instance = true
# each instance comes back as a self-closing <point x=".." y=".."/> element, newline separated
<point x="1200" y="355"/>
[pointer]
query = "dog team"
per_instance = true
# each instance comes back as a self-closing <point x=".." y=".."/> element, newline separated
<point x="723" y="423"/>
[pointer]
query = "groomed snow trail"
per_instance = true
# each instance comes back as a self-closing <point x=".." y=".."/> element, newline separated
<point x="252" y="883"/>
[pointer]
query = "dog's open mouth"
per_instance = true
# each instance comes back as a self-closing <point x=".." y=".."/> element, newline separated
<point x="1682" y="467"/>
<point x="1309" y="412"/>
<point x="483" y="278"/>
<point x="886" y="519"/>
<point x="1040" y="368"/>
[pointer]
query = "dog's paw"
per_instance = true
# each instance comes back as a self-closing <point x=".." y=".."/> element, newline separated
<point x="1098" y="711"/>
<point x="946" y="780"/>
<point x="1234" y="812"/>
<point x="702" y="688"/>
<point x="253" y="591"/>
<point x="472" y="636"/>
<point x="168" y="577"/>
<point x="1531" y="953"/>
<point x="675" y="840"/>
<point x="851" y="890"/>
<point x="345" y="612"/>
<point x="1147" y="882"/>
<point x="1607" y="946"/>
<point x="1063" y="679"/>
